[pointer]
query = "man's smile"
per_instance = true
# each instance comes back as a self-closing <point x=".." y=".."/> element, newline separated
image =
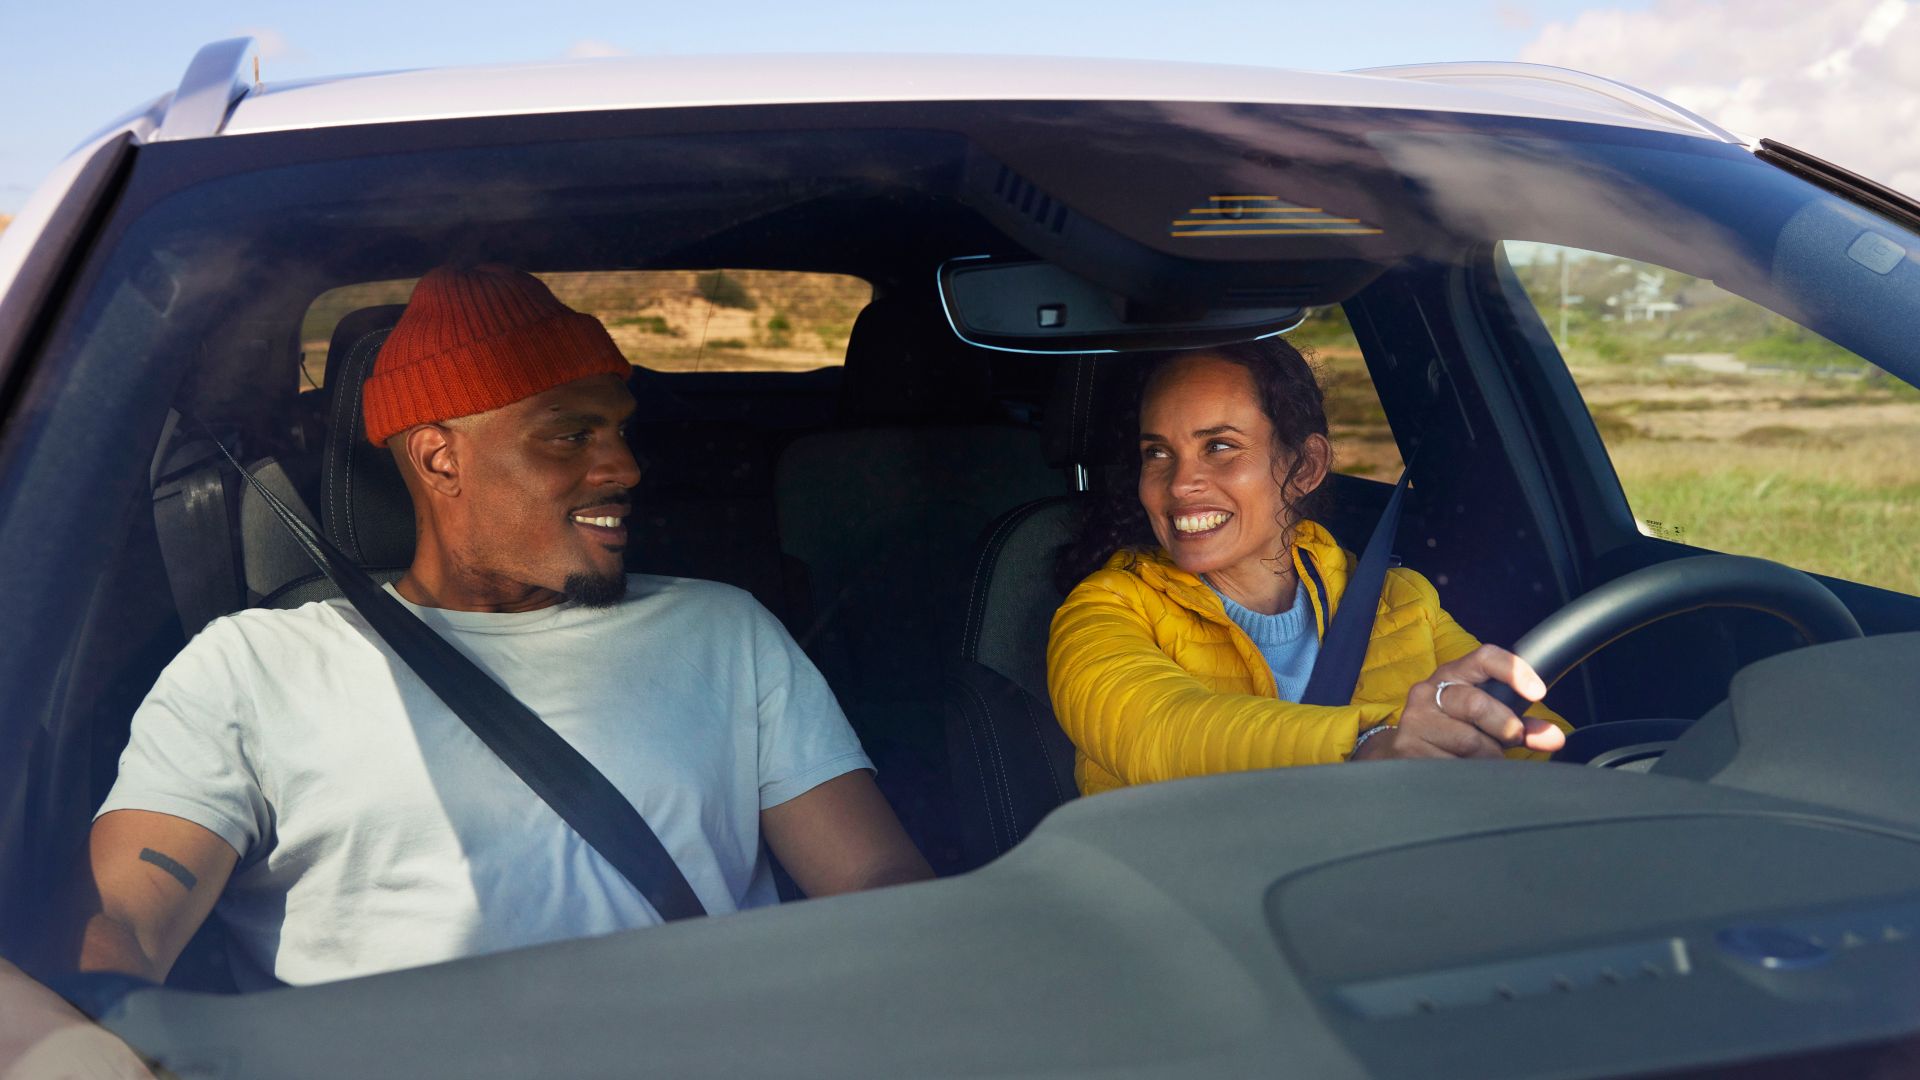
<point x="606" y="522"/>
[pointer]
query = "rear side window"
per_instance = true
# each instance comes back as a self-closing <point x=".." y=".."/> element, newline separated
<point x="1732" y="427"/>
<point x="1362" y="442"/>
<point x="665" y="320"/>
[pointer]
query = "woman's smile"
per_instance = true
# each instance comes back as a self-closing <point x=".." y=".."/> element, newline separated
<point x="1199" y="524"/>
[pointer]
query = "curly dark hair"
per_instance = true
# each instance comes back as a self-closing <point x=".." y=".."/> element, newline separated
<point x="1114" y="520"/>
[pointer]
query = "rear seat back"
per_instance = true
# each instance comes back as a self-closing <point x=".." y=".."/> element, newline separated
<point x="884" y="513"/>
<point x="704" y="508"/>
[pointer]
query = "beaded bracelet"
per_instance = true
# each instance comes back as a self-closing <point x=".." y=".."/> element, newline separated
<point x="1364" y="736"/>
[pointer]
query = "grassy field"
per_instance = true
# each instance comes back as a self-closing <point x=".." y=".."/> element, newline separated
<point x="1733" y="428"/>
<point x="1818" y="471"/>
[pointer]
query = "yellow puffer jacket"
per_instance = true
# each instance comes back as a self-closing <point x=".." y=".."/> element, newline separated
<point x="1152" y="681"/>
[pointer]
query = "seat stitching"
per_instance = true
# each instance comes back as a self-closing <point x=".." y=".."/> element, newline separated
<point x="1026" y="702"/>
<point x="982" y="584"/>
<point x="999" y="767"/>
<point x="986" y="791"/>
<point x="1006" y="789"/>
<point x="967" y="635"/>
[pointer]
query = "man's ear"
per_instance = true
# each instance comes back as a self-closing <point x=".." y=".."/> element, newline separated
<point x="428" y="453"/>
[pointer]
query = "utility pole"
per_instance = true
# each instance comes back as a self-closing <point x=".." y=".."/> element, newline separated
<point x="1563" y="300"/>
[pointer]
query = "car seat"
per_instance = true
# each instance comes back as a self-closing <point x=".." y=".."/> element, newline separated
<point x="883" y="512"/>
<point x="364" y="507"/>
<point x="221" y="549"/>
<point x="1010" y="762"/>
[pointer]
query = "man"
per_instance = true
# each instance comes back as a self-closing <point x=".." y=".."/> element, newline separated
<point x="289" y="765"/>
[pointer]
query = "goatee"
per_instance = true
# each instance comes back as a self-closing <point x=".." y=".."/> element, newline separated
<point x="596" y="590"/>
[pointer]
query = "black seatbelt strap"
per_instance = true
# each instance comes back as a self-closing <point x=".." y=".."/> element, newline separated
<point x="1336" y="671"/>
<point x="564" y="779"/>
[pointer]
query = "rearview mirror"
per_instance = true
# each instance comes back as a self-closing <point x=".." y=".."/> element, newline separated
<point x="1036" y="307"/>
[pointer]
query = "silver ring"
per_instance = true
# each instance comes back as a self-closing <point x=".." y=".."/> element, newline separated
<point x="1444" y="683"/>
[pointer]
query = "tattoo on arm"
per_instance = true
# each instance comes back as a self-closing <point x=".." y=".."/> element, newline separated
<point x="180" y="873"/>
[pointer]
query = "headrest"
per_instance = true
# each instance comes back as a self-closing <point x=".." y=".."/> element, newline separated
<point x="1089" y="409"/>
<point x="905" y="364"/>
<point x="364" y="507"/>
<point x="1011" y="596"/>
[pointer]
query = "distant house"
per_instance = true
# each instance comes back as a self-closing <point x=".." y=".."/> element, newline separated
<point x="1642" y="301"/>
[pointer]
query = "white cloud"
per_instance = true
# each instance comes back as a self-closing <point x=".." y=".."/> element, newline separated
<point x="587" y="48"/>
<point x="1836" y="78"/>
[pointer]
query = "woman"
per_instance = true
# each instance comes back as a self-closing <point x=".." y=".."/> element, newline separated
<point x="1186" y="648"/>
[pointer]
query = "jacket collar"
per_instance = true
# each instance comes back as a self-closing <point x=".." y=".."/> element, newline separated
<point x="1323" y="566"/>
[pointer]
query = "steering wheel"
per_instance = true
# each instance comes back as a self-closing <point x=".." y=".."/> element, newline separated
<point x="1652" y="593"/>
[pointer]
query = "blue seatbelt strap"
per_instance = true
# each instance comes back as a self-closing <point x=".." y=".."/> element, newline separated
<point x="1336" y="671"/>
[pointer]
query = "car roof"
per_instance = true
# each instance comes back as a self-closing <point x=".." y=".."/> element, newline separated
<point x="1523" y="90"/>
<point x="221" y="94"/>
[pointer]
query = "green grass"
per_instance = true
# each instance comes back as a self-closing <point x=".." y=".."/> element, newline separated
<point x="652" y="324"/>
<point x="1847" y="507"/>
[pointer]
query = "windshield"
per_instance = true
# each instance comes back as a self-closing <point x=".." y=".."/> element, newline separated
<point x="1600" y="343"/>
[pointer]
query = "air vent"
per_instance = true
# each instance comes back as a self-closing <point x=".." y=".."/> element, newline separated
<point x="1532" y="977"/>
<point x="1026" y="198"/>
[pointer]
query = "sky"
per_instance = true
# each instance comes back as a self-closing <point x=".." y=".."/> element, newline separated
<point x="1840" y="78"/>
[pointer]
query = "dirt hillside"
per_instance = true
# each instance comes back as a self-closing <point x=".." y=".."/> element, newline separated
<point x="674" y="320"/>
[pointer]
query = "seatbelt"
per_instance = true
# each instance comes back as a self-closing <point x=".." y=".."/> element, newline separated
<point x="564" y="779"/>
<point x="1336" y="670"/>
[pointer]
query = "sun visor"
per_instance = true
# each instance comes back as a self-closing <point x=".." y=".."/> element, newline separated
<point x="1174" y="242"/>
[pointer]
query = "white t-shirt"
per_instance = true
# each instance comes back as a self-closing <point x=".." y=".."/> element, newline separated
<point x="376" y="831"/>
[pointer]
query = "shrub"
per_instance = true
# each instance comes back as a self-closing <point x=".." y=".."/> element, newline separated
<point x="1613" y="427"/>
<point x="723" y="291"/>
<point x="652" y="324"/>
<point x="1782" y="435"/>
<point x="779" y="332"/>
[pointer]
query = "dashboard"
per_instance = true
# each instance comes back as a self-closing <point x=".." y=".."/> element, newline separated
<point x="1472" y="919"/>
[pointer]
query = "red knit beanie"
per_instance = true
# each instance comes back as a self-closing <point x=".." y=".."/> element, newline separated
<point x="475" y="338"/>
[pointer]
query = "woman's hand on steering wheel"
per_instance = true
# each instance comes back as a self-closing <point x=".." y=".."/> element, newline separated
<point x="1447" y="715"/>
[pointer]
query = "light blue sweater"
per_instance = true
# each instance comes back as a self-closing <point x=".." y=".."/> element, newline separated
<point x="1288" y="640"/>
